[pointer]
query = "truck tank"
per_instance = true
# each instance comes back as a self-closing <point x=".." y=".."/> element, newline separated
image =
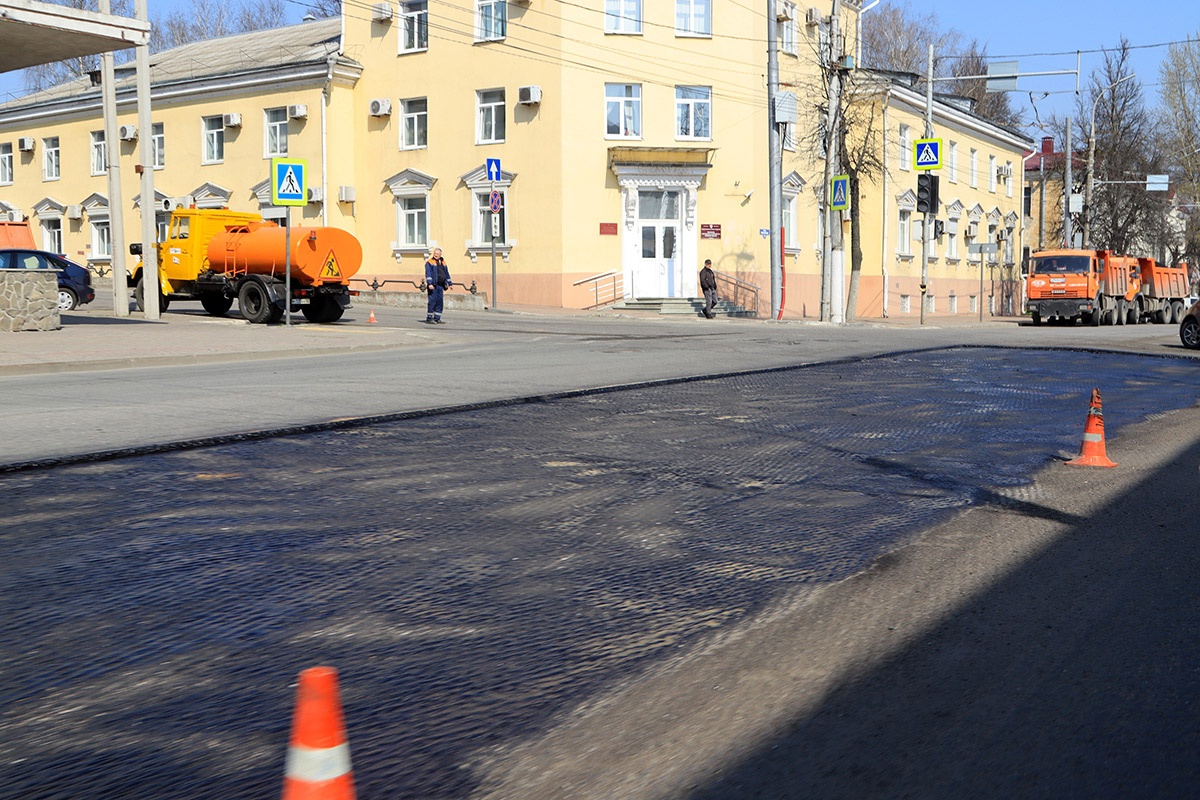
<point x="319" y="255"/>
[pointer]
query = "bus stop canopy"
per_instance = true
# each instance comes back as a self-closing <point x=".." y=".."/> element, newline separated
<point x="33" y="33"/>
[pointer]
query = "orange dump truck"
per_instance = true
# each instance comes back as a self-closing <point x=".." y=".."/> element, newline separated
<point x="16" y="234"/>
<point x="1100" y="287"/>
<point x="217" y="255"/>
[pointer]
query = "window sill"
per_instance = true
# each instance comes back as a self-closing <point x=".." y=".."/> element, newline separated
<point x="400" y="250"/>
<point x="692" y="35"/>
<point x="612" y="137"/>
<point x="953" y="261"/>
<point x="622" y="33"/>
<point x="476" y="250"/>
<point x="410" y="148"/>
<point x="489" y="141"/>
<point x="906" y="257"/>
<point x="414" y="50"/>
<point x="693" y="139"/>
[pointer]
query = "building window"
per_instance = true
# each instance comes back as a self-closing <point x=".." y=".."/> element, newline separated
<point x="275" y="132"/>
<point x="952" y="162"/>
<point x="1028" y="200"/>
<point x="414" y="124"/>
<point x="101" y="239"/>
<point x="905" y="148"/>
<point x="1008" y="178"/>
<point x="623" y="110"/>
<point x="414" y="26"/>
<point x="787" y="29"/>
<point x="99" y="153"/>
<point x="491" y="21"/>
<point x="214" y="140"/>
<point x="52" y="235"/>
<point x="991" y="174"/>
<point x="483" y="218"/>
<point x="623" y="16"/>
<point x="51" y="169"/>
<point x="693" y="17"/>
<point x="491" y="116"/>
<point x="904" y="233"/>
<point x="6" y="163"/>
<point x="973" y="166"/>
<point x="693" y="112"/>
<point x="791" y="238"/>
<point x="158" y="145"/>
<point x="951" y="245"/>
<point x="414" y="220"/>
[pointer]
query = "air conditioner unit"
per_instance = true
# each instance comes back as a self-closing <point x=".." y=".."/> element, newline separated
<point x="973" y="229"/>
<point x="812" y="18"/>
<point x="172" y="203"/>
<point x="1001" y="234"/>
<point x="232" y="120"/>
<point x="1004" y="172"/>
<point x="783" y="12"/>
<point x="529" y="95"/>
<point x="25" y="144"/>
<point x="127" y="133"/>
<point x="345" y="194"/>
<point x="298" y="111"/>
<point x="381" y="12"/>
<point x="74" y="212"/>
<point x="381" y="107"/>
<point x="12" y="216"/>
<point x="316" y="194"/>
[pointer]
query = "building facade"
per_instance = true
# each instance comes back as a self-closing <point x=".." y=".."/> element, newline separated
<point x="631" y="140"/>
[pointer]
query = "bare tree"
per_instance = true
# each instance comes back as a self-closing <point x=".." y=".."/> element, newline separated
<point x="325" y="8"/>
<point x="1179" y="98"/>
<point x="972" y="59"/>
<point x="896" y="38"/>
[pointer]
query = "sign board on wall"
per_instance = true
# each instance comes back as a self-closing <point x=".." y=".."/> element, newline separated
<point x="710" y="231"/>
<point x="608" y="229"/>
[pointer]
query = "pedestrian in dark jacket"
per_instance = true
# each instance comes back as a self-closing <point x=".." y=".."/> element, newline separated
<point x="437" y="281"/>
<point x="708" y="283"/>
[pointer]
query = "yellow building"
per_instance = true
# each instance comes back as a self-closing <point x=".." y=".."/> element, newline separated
<point x="631" y="140"/>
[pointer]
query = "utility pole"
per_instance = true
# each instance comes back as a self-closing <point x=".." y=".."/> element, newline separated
<point x="146" y="153"/>
<point x="775" y="161"/>
<point x="927" y="225"/>
<point x="1068" y="233"/>
<point x="112" y="167"/>
<point x="832" y="122"/>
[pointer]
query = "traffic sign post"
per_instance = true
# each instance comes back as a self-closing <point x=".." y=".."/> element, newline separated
<point x="987" y="247"/>
<point x="494" y="202"/>
<point x="289" y="187"/>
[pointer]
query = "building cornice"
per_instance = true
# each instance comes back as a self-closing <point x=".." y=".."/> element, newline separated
<point x="948" y="114"/>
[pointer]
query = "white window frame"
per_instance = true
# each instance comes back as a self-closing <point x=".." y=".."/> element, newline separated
<point x="951" y="246"/>
<point x="992" y="174"/>
<point x="698" y="109"/>
<point x="158" y="145"/>
<point x="491" y="20"/>
<point x="693" y="17"/>
<point x="101" y="239"/>
<point x="404" y="214"/>
<point x="275" y="132"/>
<point x="973" y="165"/>
<point x="904" y="233"/>
<point x="414" y="122"/>
<point x="481" y="226"/>
<point x="52" y="240"/>
<point x="952" y="162"/>
<point x="212" y="135"/>
<point x="6" y="164"/>
<point x="490" y="118"/>
<point x="623" y="16"/>
<point x="905" y="140"/>
<point x="788" y="218"/>
<point x="99" y="153"/>
<point x="414" y="26"/>
<point x="51" y="159"/>
<point x="787" y="31"/>
<point x="1008" y="180"/>
<point x="627" y="100"/>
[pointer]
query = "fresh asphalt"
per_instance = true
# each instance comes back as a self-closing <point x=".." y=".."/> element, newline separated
<point x="663" y="591"/>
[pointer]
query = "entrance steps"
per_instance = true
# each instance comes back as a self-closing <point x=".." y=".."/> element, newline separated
<point x="686" y="306"/>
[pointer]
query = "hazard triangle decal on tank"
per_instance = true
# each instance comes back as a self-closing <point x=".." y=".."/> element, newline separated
<point x="331" y="269"/>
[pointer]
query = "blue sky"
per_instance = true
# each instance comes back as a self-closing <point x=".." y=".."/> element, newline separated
<point x="1026" y="27"/>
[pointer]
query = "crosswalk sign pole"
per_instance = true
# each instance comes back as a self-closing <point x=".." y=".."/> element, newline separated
<point x="287" y="265"/>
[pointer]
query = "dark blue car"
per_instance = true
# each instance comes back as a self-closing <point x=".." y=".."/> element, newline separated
<point x="74" y="281"/>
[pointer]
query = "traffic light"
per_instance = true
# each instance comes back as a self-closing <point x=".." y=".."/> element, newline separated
<point x="939" y="228"/>
<point x="927" y="193"/>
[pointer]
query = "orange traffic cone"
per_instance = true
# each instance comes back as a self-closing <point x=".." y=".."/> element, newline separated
<point x="372" y="317"/>
<point x="1092" y="453"/>
<point x="318" y="759"/>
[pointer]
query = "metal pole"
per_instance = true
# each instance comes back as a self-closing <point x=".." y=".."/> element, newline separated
<point x="287" y="264"/>
<point x="774" y="162"/>
<point x="1087" y="192"/>
<point x="112" y="167"/>
<point x="1068" y="232"/>
<point x="981" y="254"/>
<point x="493" y="238"/>
<point x="928" y="214"/>
<point x="146" y="154"/>
<point x="831" y="159"/>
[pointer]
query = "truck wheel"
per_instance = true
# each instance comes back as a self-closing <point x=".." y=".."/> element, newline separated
<point x="1176" y="312"/>
<point x="216" y="304"/>
<point x="255" y="304"/>
<point x="1122" y="311"/>
<point x="1037" y="318"/>
<point x="1135" y="312"/>
<point x="323" y="309"/>
<point x="1189" y="333"/>
<point x="139" y="297"/>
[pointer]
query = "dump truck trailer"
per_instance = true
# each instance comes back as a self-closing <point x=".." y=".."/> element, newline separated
<point x="1100" y="287"/>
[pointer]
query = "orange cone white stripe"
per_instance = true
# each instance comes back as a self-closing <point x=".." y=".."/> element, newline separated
<point x="1093" y="452"/>
<point x="318" y="759"/>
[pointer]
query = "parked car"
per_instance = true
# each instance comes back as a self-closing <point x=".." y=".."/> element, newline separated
<point x="1189" y="327"/>
<point x="74" y="281"/>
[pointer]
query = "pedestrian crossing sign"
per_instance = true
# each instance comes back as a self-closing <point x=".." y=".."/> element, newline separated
<point x="927" y="154"/>
<point x="839" y="192"/>
<point x="289" y="182"/>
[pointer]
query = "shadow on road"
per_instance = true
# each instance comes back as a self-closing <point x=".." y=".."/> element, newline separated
<point x="1075" y="676"/>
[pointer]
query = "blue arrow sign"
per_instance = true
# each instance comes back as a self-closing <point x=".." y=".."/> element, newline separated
<point x="927" y="154"/>
<point x="493" y="169"/>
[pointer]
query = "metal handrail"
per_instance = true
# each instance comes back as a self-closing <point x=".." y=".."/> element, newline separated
<point x="614" y="291"/>
<point x="375" y="283"/>
<point x="741" y="284"/>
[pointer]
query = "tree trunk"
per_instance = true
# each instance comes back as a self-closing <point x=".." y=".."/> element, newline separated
<point x="856" y="255"/>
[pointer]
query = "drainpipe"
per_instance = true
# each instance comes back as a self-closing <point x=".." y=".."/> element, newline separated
<point x="327" y="95"/>
<point x="887" y="100"/>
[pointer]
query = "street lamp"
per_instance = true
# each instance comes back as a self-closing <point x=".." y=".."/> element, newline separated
<point x="1087" y="194"/>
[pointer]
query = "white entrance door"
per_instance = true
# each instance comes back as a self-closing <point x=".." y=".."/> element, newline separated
<point x="658" y="272"/>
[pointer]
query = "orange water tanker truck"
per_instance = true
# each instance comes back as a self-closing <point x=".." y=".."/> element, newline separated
<point x="217" y="255"/>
